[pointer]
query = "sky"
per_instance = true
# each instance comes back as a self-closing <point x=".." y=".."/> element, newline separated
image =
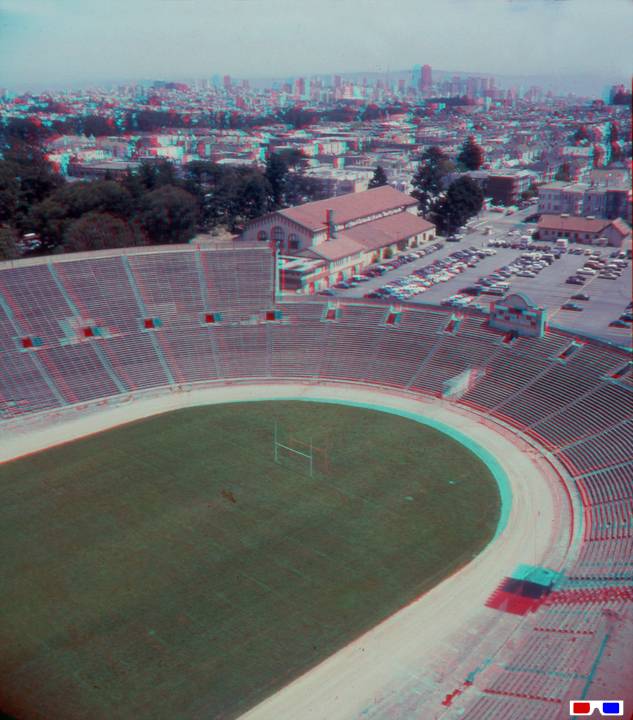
<point x="58" y="43"/>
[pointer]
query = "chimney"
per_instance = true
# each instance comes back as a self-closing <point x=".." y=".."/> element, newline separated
<point x="331" y="225"/>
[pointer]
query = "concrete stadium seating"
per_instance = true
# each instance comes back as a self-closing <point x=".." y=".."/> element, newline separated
<point x="187" y="316"/>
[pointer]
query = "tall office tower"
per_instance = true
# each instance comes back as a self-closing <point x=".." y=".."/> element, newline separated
<point x="227" y="82"/>
<point x="337" y="81"/>
<point x="416" y="78"/>
<point x="427" y="78"/>
<point x="300" y="87"/>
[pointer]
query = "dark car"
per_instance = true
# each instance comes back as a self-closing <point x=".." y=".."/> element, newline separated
<point x="619" y="324"/>
<point x="374" y="295"/>
<point x="571" y="306"/>
<point x="580" y="296"/>
<point x="472" y="290"/>
<point x="342" y="286"/>
<point x="575" y="280"/>
<point x="627" y="317"/>
<point x="327" y="291"/>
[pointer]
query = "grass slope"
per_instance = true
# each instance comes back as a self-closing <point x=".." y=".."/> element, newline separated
<point x="169" y="569"/>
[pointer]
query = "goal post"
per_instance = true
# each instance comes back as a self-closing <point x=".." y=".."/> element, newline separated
<point x="300" y="455"/>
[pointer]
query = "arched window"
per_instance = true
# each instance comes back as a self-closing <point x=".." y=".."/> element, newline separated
<point x="278" y="234"/>
<point x="262" y="236"/>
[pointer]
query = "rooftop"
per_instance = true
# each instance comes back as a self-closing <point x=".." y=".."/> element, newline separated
<point x="387" y="230"/>
<point x="574" y="223"/>
<point x="346" y="208"/>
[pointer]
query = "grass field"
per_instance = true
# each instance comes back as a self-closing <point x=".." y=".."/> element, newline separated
<point x="170" y="569"/>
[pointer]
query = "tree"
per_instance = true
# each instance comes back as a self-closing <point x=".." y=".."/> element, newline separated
<point x="302" y="188"/>
<point x="98" y="126"/>
<point x="276" y="172"/>
<point x="531" y="192"/>
<point x="169" y="215"/>
<point x="50" y="220"/>
<point x="103" y="196"/>
<point x="97" y="231"/>
<point x="581" y="136"/>
<point x="26" y="178"/>
<point x="379" y="178"/>
<point x="471" y="156"/>
<point x="293" y="158"/>
<point x="563" y="173"/>
<point x="464" y="198"/>
<point x="9" y="191"/>
<point x="253" y="191"/>
<point x="8" y="244"/>
<point x="428" y="179"/>
<point x="156" y="174"/>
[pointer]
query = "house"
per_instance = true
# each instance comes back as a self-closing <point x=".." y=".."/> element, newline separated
<point x="344" y="234"/>
<point x="588" y="230"/>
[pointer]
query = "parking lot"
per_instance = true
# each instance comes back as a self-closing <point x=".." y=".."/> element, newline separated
<point x="608" y="297"/>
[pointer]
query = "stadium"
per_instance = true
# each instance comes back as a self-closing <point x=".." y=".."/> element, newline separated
<point x="125" y="375"/>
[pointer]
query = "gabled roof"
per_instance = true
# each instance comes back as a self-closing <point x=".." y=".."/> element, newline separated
<point x="346" y="208"/>
<point x="341" y="247"/>
<point x="621" y="227"/>
<point x="573" y="223"/>
<point x="387" y="230"/>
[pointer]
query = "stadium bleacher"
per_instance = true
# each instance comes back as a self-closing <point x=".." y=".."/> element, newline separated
<point x="571" y="406"/>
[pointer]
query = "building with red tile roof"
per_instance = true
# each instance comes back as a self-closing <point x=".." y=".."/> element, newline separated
<point x="347" y="233"/>
<point x="588" y="230"/>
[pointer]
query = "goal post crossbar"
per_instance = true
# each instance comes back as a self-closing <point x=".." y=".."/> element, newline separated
<point x="309" y="456"/>
<point x="292" y="450"/>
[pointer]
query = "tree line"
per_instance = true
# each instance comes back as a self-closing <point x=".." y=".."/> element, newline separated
<point x="154" y="204"/>
<point x="158" y="204"/>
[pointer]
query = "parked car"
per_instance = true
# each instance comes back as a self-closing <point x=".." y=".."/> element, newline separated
<point x="574" y="280"/>
<point x="327" y="291"/>
<point x="619" y="324"/>
<point x="580" y="296"/>
<point x="342" y="286"/>
<point x="571" y="306"/>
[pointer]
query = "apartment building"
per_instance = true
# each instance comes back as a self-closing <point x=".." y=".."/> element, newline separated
<point x="583" y="199"/>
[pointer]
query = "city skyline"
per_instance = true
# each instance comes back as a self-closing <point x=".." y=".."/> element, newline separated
<point x="55" y="44"/>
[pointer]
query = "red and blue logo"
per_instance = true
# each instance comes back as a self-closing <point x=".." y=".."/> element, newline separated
<point x="606" y="708"/>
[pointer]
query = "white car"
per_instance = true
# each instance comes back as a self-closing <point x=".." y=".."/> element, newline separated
<point x="586" y="271"/>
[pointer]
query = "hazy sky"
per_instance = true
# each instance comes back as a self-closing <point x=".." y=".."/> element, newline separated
<point x="55" y="42"/>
